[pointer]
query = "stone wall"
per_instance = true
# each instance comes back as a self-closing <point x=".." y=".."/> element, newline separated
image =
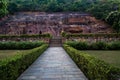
<point x="92" y="39"/>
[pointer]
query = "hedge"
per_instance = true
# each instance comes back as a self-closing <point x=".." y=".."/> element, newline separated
<point x="26" y="36"/>
<point x="10" y="45"/>
<point x="95" y="45"/>
<point x="92" y="67"/>
<point x="11" y="68"/>
<point x="78" y="45"/>
<point x="92" y="35"/>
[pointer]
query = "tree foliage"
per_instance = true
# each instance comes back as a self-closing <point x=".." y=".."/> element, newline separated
<point x="3" y="8"/>
<point x="98" y="8"/>
<point x="114" y="19"/>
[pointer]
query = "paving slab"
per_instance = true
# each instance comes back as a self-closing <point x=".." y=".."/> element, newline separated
<point x="53" y="64"/>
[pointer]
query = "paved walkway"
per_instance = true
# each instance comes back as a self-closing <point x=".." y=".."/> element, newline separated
<point x="53" y="64"/>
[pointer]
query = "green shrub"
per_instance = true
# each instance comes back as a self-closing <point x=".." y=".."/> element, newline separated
<point x="72" y="43"/>
<point x="94" y="46"/>
<point x="114" y="46"/>
<point x="19" y="45"/>
<point x="78" y="45"/>
<point x="99" y="46"/>
<point x="11" y="68"/>
<point x="92" y="67"/>
<point x="26" y="36"/>
<point x="63" y="34"/>
<point x="93" y="35"/>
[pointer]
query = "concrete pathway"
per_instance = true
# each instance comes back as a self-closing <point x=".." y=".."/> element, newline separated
<point x="53" y="64"/>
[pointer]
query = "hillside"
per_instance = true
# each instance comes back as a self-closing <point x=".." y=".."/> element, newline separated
<point x="53" y="23"/>
<point x="106" y="10"/>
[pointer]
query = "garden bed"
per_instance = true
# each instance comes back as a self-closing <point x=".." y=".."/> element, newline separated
<point x="93" y="68"/>
<point x="9" y="53"/>
<point x="12" y="67"/>
<point x="22" y="45"/>
<point x="115" y="45"/>
<point x="112" y="57"/>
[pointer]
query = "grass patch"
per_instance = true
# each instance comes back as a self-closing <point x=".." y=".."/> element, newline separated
<point x="93" y="68"/>
<point x="9" y="53"/>
<point x="12" y="67"/>
<point x="112" y="57"/>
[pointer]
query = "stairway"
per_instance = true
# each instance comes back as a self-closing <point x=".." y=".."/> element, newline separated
<point x="56" y="42"/>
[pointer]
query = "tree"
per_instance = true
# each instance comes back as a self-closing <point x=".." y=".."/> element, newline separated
<point x="114" y="19"/>
<point x="53" y="6"/>
<point x="12" y="7"/>
<point x="116" y="26"/>
<point x="3" y="8"/>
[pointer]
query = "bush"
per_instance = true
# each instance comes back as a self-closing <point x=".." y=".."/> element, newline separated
<point x="63" y="34"/>
<point x="99" y="46"/>
<point x="19" y="45"/>
<point x="114" y="46"/>
<point x="93" y="35"/>
<point x="94" y="46"/>
<point x="26" y="36"/>
<point x="11" y="68"/>
<point x="92" y="67"/>
<point x="72" y="43"/>
<point x="78" y="45"/>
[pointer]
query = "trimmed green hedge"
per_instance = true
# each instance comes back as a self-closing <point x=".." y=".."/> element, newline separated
<point x="78" y="45"/>
<point x="92" y="35"/>
<point x="114" y="46"/>
<point x="92" y="67"/>
<point x="95" y="45"/>
<point x="11" y="68"/>
<point x="19" y="45"/>
<point x="26" y="36"/>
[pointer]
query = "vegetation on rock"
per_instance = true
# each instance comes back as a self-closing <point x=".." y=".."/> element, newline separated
<point x="3" y="8"/>
<point x="101" y="9"/>
<point x="114" y="19"/>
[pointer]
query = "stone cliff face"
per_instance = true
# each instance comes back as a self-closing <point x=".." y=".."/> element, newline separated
<point x="53" y="23"/>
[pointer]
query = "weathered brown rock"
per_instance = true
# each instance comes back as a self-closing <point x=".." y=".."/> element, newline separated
<point x="54" y="23"/>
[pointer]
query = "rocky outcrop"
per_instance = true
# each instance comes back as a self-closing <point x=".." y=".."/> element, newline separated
<point x="53" y="23"/>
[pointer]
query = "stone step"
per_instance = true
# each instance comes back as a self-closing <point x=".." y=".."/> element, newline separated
<point x="56" y="42"/>
<point x="55" y="45"/>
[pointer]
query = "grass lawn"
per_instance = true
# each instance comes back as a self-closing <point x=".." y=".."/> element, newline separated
<point x="8" y="53"/>
<point x="112" y="57"/>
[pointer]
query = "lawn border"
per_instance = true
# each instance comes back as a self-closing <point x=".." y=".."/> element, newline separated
<point x="92" y="67"/>
<point x="11" y="68"/>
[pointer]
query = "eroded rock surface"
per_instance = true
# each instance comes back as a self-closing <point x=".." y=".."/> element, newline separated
<point x="54" y="23"/>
